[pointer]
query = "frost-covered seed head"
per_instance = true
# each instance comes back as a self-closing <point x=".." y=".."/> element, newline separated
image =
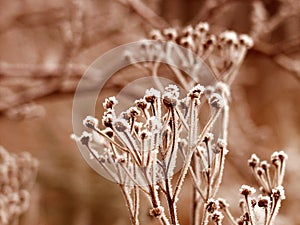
<point x="85" y="138"/>
<point x="90" y="122"/>
<point x="170" y="33"/>
<point x="187" y="42"/>
<point x="216" y="101"/>
<point x="229" y="37"/>
<point x="209" y="137"/>
<point x="156" y="35"/>
<point x="217" y="217"/>
<point x="107" y="119"/>
<point x="275" y="159"/>
<point x="188" y="30"/>
<point x="222" y="203"/>
<point x="172" y="88"/>
<point x="282" y="155"/>
<point x="151" y="95"/>
<point x="202" y="27"/>
<point x="120" y="125"/>
<point x="142" y="104"/>
<point x="221" y="143"/>
<point x="196" y="91"/>
<point x="263" y="201"/>
<point x="169" y="100"/>
<point x="278" y="193"/>
<point x="264" y="165"/>
<point x="260" y="171"/>
<point x="109" y="132"/>
<point x="171" y="95"/>
<point x="145" y="134"/>
<point x="102" y="159"/>
<point x="110" y="102"/>
<point x="133" y="112"/>
<point x="211" y="205"/>
<point x="253" y="161"/>
<point x="125" y="115"/>
<point x="246" y="40"/>
<point x="156" y="212"/>
<point x="121" y="159"/>
<point x="210" y="41"/>
<point x="247" y="190"/>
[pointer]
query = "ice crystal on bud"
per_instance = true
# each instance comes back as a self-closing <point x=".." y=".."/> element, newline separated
<point x="170" y="33"/>
<point x="133" y="112"/>
<point x="229" y="37"/>
<point x="211" y="205"/>
<point x="253" y="161"/>
<point x="156" y="35"/>
<point x="196" y="91"/>
<point x="202" y="27"/>
<point x="278" y="192"/>
<point x="156" y="212"/>
<point x="247" y="190"/>
<point x="169" y="99"/>
<point x="216" y="101"/>
<point x="110" y="102"/>
<point x="217" y="217"/>
<point x="282" y="155"/>
<point x="145" y="134"/>
<point x="120" y="125"/>
<point x="85" y="138"/>
<point x="151" y="95"/>
<point x="263" y="201"/>
<point x="246" y="40"/>
<point x="90" y="122"/>
<point x="222" y="203"/>
<point x="142" y="104"/>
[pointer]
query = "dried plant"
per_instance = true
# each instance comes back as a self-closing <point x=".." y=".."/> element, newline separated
<point x="22" y="83"/>
<point x="264" y="208"/>
<point x="142" y="147"/>
<point x="18" y="172"/>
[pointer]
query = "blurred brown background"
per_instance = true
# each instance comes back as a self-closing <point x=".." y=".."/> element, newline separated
<point x="45" y="46"/>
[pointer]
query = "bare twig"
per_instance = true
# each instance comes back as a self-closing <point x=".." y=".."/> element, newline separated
<point x="147" y="14"/>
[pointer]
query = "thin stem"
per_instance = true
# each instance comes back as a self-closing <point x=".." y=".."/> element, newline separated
<point x="274" y="211"/>
<point x="110" y="140"/>
<point x="191" y="151"/>
<point x="229" y="215"/>
<point x="250" y="211"/>
<point x="196" y="192"/>
<point x="205" y="217"/>
<point x="128" y="202"/>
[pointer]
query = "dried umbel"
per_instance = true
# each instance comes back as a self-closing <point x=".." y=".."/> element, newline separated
<point x="18" y="172"/>
<point x="261" y="209"/>
<point x="224" y="52"/>
<point x="267" y="204"/>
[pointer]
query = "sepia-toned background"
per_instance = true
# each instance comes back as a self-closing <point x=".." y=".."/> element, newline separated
<point x="45" y="47"/>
